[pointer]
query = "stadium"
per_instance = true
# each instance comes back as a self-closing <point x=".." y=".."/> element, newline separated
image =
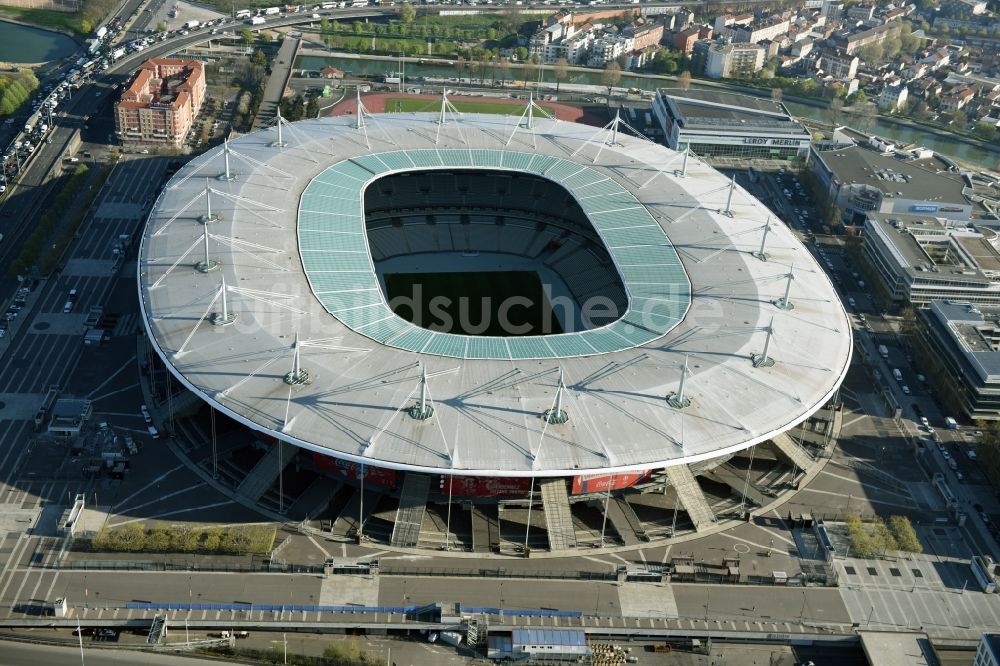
<point x="484" y="332"/>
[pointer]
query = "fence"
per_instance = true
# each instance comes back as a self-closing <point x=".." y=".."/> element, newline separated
<point x="294" y="608"/>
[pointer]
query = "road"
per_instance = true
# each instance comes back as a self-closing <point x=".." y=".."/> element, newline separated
<point x="28" y="654"/>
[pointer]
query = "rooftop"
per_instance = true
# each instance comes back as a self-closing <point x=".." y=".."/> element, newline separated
<point x="718" y="110"/>
<point x="927" y="179"/>
<point x="975" y="331"/>
<point x="923" y="245"/>
<point x="487" y="419"/>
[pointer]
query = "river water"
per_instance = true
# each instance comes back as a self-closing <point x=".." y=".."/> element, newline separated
<point x="24" y="44"/>
<point x="963" y="151"/>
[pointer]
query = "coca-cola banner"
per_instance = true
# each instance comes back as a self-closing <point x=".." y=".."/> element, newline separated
<point x="601" y="483"/>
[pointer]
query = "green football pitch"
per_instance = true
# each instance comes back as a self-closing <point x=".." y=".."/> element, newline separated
<point x="411" y="105"/>
<point x="473" y="303"/>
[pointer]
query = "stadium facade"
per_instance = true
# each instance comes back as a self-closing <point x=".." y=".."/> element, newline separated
<point x="490" y="309"/>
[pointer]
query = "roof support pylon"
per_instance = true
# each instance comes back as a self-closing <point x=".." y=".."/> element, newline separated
<point x="677" y="400"/>
<point x="423" y="410"/>
<point x="446" y="108"/>
<point x="684" y="164"/>
<point x="762" y="360"/>
<point x="207" y="264"/>
<point x="227" y="175"/>
<point x="783" y="302"/>
<point x="224" y="318"/>
<point x="528" y="123"/>
<point x="729" y="198"/>
<point x="761" y="254"/>
<point x="298" y="375"/>
<point x="556" y="414"/>
<point x="280" y="143"/>
<point x="209" y="217"/>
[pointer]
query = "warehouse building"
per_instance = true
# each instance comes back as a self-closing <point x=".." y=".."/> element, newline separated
<point x="714" y="124"/>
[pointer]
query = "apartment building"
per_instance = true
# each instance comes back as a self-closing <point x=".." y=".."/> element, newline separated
<point x="161" y="103"/>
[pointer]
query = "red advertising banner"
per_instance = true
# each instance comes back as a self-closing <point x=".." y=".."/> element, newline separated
<point x="485" y="486"/>
<point x="601" y="483"/>
<point x="379" y="476"/>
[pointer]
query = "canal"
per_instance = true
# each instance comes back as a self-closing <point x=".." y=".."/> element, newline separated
<point x="944" y="145"/>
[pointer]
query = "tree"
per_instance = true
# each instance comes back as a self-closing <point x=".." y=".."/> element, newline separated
<point x="684" y="80"/>
<point x="857" y="99"/>
<point x="611" y="76"/>
<point x="906" y="536"/>
<point x="529" y="72"/>
<point x="504" y="71"/>
<point x="312" y="108"/>
<point x="836" y="108"/>
<point x="985" y="131"/>
<point x="161" y="27"/>
<point x="560" y="71"/>
<point x="776" y="94"/>
<point x="246" y="34"/>
<point x="871" y="53"/>
<point x="407" y="13"/>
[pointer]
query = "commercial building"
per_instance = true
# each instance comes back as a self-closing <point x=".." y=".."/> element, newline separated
<point x="862" y="179"/>
<point x="714" y="124"/>
<point x="920" y="259"/>
<point x="161" y="103"/>
<point x="726" y="61"/>
<point x="959" y="349"/>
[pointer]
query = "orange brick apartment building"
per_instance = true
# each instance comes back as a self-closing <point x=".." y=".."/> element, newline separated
<point x="164" y="98"/>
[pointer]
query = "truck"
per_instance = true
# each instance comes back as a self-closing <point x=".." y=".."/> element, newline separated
<point x="897" y="374"/>
<point x="951" y="423"/>
<point x="191" y="25"/>
<point x="257" y="20"/>
<point x="118" y="53"/>
<point x="883" y="351"/>
<point x="272" y="11"/>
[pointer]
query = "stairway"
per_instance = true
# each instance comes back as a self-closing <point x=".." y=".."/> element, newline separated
<point x="691" y="496"/>
<point x="626" y="523"/>
<point x="558" y="518"/>
<point x="266" y="471"/>
<point x="791" y="453"/>
<point x="412" y="506"/>
<point x="736" y="479"/>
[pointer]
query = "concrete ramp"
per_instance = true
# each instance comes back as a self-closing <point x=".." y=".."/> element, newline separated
<point x="558" y="518"/>
<point x="314" y="499"/>
<point x="412" y="506"/>
<point x="265" y="472"/>
<point x="790" y="452"/>
<point x="485" y="529"/>
<point x="736" y="479"/>
<point x="691" y="496"/>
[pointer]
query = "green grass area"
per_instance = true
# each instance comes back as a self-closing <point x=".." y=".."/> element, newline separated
<point x="472" y="303"/>
<point x="70" y="22"/>
<point x="408" y="104"/>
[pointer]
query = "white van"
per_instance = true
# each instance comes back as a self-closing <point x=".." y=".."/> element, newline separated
<point x="153" y="432"/>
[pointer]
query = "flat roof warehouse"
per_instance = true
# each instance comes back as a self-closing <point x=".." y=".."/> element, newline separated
<point x="488" y="394"/>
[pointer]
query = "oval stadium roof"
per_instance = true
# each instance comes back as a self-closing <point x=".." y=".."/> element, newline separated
<point x="263" y="240"/>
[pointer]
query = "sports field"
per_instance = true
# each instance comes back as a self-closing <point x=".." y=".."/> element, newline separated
<point x="411" y="105"/>
<point x="503" y="303"/>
